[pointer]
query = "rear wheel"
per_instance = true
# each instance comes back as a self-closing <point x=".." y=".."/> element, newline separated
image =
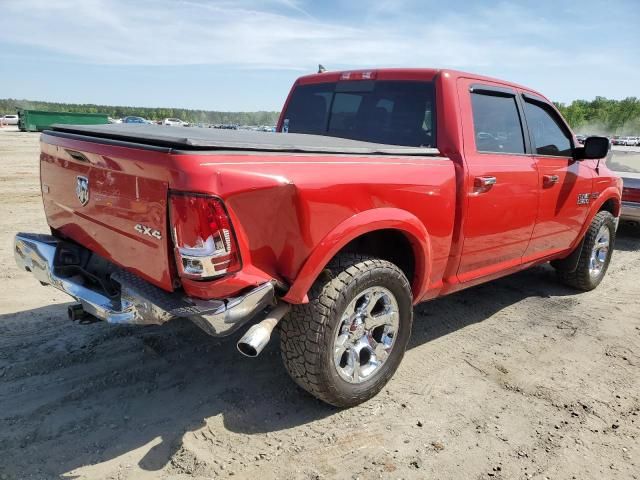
<point x="595" y="254"/>
<point x="347" y="342"/>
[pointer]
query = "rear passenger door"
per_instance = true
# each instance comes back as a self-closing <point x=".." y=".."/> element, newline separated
<point x="501" y="184"/>
<point x="565" y="184"/>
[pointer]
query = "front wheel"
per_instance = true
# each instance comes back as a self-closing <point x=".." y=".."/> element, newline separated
<point x="595" y="254"/>
<point x="347" y="342"/>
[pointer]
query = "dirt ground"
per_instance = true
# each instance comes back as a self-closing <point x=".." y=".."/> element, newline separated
<point x="519" y="378"/>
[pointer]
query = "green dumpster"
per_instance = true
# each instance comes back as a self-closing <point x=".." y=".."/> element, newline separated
<point x="37" y="120"/>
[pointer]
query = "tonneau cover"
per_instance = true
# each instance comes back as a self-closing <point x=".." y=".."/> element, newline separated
<point x="194" y="138"/>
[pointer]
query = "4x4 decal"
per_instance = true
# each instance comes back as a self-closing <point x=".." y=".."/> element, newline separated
<point x="584" y="198"/>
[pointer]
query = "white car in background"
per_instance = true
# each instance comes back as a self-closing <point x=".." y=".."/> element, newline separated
<point x="174" y="122"/>
<point x="9" y="120"/>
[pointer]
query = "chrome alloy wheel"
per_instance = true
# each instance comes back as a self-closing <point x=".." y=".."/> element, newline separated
<point x="366" y="334"/>
<point x="600" y="251"/>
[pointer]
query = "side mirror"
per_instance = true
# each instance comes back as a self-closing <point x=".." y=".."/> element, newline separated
<point x="594" y="148"/>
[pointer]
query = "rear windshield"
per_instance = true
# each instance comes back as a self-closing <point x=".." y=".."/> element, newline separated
<point x="390" y="112"/>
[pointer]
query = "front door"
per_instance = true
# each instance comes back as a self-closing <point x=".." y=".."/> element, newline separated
<point x="502" y="180"/>
<point x="565" y="184"/>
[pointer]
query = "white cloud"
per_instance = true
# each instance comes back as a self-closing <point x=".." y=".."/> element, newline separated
<point x="274" y="34"/>
<point x="282" y="34"/>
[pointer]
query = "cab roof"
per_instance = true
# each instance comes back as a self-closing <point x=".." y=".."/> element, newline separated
<point x="424" y="74"/>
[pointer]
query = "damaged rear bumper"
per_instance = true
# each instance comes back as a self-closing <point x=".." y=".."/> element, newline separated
<point x="137" y="302"/>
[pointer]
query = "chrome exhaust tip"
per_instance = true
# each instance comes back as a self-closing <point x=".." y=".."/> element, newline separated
<point x="258" y="336"/>
<point x="254" y="341"/>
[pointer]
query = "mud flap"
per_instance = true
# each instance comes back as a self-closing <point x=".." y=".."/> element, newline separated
<point x="570" y="263"/>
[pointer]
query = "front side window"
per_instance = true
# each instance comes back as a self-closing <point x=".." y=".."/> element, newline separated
<point x="549" y="137"/>
<point x="496" y="124"/>
<point x="388" y="112"/>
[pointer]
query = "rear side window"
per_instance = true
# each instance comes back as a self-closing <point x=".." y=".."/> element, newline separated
<point x="389" y="112"/>
<point x="496" y="124"/>
<point x="549" y="137"/>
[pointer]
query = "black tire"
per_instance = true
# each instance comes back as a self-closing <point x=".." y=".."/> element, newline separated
<point x="307" y="333"/>
<point x="581" y="278"/>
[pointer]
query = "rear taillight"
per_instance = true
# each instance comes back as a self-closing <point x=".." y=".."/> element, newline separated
<point x="630" y="194"/>
<point x="204" y="242"/>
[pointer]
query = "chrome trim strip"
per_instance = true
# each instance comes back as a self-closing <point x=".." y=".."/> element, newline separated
<point x="139" y="302"/>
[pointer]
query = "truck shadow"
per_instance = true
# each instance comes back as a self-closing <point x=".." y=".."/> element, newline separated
<point x="76" y="395"/>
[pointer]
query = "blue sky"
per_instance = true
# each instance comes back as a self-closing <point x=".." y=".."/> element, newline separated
<point x="245" y="54"/>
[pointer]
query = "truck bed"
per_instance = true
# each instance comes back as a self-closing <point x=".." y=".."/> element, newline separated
<point x="190" y="138"/>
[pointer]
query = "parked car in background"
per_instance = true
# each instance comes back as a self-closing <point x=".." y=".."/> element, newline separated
<point x="9" y="120"/>
<point x="174" y="122"/>
<point x="581" y="138"/>
<point x="627" y="167"/>
<point x="627" y="141"/>
<point x="134" y="120"/>
<point x="630" y="197"/>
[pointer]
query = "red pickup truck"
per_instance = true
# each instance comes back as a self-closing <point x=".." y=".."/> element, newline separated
<point x="382" y="189"/>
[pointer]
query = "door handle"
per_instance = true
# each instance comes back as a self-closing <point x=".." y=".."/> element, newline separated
<point x="550" y="180"/>
<point x="483" y="184"/>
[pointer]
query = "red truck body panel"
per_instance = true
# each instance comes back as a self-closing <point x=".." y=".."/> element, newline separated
<point x="280" y="207"/>
<point x="292" y="212"/>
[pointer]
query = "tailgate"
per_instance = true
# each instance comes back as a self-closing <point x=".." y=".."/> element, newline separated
<point x="112" y="200"/>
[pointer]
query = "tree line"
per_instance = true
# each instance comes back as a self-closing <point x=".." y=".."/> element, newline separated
<point x="10" y="105"/>
<point x="601" y="116"/>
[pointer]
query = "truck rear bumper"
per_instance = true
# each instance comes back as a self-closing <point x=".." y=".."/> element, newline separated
<point x="138" y="302"/>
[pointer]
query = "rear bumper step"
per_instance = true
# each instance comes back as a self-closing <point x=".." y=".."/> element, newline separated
<point x="138" y="301"/>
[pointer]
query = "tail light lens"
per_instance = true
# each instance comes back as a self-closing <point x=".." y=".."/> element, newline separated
<point x="204" y="241"/>
<point x="630" y="194"/>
